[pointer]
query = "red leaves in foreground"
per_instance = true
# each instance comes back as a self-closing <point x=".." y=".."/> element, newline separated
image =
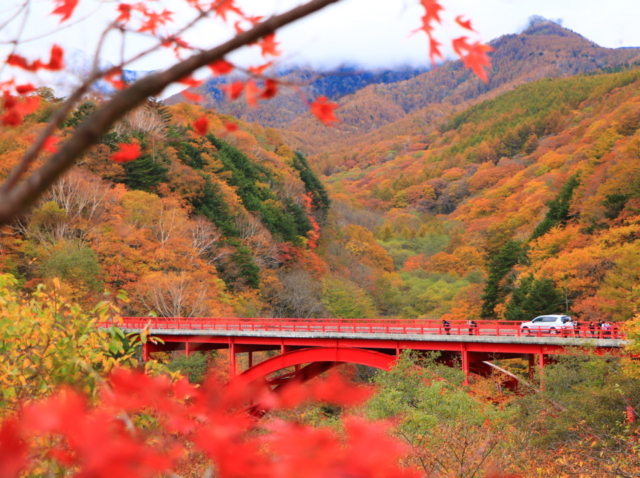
<point x="50" y="144"/>
<point x="126" y="153"/>
<point x="323" y="109"/>
<point x="221" y="67"/>
<point x="182" y="420"/>
<point x="65" y="8"/>
<point x="15" y="109"/>
<point x="201" y="125"/>
<point x="55" y="61"/>
<point x="474" y="55"/>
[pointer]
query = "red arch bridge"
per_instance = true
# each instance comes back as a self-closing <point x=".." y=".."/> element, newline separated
<point x="312" y="346"/>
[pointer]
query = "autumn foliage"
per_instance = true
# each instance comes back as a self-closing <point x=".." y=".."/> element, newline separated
<point x="143" y="426"/>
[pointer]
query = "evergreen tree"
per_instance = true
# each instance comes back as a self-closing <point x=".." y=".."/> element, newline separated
<point x="614" y="204"/>
<point x="499" y="266"/>
<point x="532" y="298"/>
<point x="145" y="173"/>
<point x="320" y="198"/>
<point x="558" y="213"/>
<point x="211" y="204"/>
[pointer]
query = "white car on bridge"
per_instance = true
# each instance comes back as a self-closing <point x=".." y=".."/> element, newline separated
<point x="552" y="324"/>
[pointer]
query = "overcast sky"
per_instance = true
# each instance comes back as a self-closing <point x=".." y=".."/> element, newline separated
<point x="374" y="33"/>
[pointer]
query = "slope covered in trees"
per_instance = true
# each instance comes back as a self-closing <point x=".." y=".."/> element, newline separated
<point x="196" y="226"/>
<point x="415" y="106"/>
<point x="519" y="205"/>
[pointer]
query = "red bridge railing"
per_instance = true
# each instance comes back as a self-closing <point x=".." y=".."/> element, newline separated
<point x="363" y="326"/>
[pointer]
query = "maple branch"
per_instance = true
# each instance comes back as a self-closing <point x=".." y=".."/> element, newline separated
<point x="16" y="198"/>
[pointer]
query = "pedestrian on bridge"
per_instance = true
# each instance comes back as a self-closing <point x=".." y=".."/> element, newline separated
<point x="473" y="327"/>
<point x="446" y="325"/>
<point x="606" y="330"/>
<point x="592" y="329"/>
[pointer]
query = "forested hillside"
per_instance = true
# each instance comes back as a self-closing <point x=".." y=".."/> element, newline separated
<point x="390" y="105"/>
<point x="408" y="110"/>
<point x="196" y="226"/>
<point x="520" y="205"/>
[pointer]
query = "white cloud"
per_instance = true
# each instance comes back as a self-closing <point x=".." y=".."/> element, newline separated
<point x="368" y="32"/>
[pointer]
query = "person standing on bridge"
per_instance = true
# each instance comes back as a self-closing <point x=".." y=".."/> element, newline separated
<point x="446" y="325"/>
<point x="473" y="327"/>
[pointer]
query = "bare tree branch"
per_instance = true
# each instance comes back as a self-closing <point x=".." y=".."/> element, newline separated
<point x="16" y="198"/>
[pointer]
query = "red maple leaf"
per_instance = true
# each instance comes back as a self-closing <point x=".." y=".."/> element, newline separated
<point x="461" y="45"/>
<point x="251" y="92"/>
<point x="221" y="67"/>
<point x="222" y="7"/>
<point x="126" y="153"/>
<point x="55" y="62"/>
<point x="119" y="84"/>
<point x="50" y="144"/>
<point x="433" y="9"/>
<point x="25" y="89"/>
<point x="434" y="50"/>
<point x="154" y="20"/>
<point x="259" y="70"/>
<point x="323" y="109"/>
<point x="16" y="110"/>
<point x="234" y="90"/>
<point x="201" y="125"/>
<point x="65" y="8"/>
<point x="477" y="59"/>
<point x="464" y="24"/>
<point x="229" y="127"/>
<point x="270" y="89"/>
<point x="190" y="81"/>
<point x="125" y="13"/>
<point x="195" y="97"/>
<point x="269" y="45"/>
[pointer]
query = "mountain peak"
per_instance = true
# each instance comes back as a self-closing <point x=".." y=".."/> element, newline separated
<point x="544" y="27"/>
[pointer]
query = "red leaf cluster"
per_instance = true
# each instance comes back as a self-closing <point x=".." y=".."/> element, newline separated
<point x="102" y="440"/>
<point x="323" y="109"/>
<point x="126" y="153"/>
<point x="474" y="55"/>
<point x="269" y="45"/>
<point x="50" y="144"/>
<point x="55" y="61"/>
<point x="65" y="8"/>
<point x="221" y="67"/>
<point x="195" y="97"/>
<point x="230" y="127"/>
<point x="15" y="109"/>
<point x="114" y="76"/>
<point x="252" y="91"/>
<point x="223" y="7"/>
<point x="201" y="125"/>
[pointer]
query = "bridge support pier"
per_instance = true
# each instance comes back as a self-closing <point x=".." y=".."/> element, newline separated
<point x="465" y="365"/>
<point x="539" y="360"/>
<point x="232" y="359"/>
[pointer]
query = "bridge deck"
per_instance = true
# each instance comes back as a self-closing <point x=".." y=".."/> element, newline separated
<point x="414" y="330"/>
<point x="408" y="335"/>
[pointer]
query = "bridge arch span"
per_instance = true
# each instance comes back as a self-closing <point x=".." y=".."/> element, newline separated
<point x="318" y="355"/>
